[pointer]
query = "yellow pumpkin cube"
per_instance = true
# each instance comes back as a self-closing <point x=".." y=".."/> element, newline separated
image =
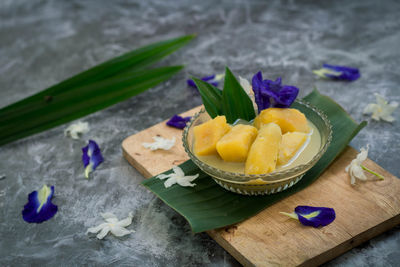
<point x="207" y="135"/>
<point x="263" y="154"/>
<point x="289" y="119"/>
<point x="291" y="143"/>
<point x="234" y="146"/>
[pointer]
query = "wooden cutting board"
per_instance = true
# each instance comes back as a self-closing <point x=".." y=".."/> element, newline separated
<point x="271" y="239"/>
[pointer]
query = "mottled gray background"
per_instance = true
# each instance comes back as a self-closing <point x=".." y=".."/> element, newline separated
<point x="44" y="42"/>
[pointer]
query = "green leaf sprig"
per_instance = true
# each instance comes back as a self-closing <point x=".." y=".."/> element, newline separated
<point x="92" y="90"/>
<point x="233" y="102"/>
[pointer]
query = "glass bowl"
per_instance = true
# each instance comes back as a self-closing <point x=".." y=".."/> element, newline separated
<point x="262" y="184"/>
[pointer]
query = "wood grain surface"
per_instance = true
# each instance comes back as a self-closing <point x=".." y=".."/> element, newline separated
<point x="271" y="239"/>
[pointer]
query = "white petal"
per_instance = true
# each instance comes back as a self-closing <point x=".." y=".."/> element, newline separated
<point x="164" y="176"/>
<point x="108" y="215"/>
<point x="354" y="168"/>
<point x="387" y="111"/>
<point x="362" y="155"/>
<point x="104" y="232"/>
<point x="186" y="181"/>
<point x="169" y="182"/>
<point x="348" y="167"/>
<point x="95" y="229"/>
<point x="369" y="108"/>
<point x="112" y="220"/>
<point x="387" y="118"/>
<point x="358" y="172"/>
<point x="380" y="100"/>
<point x="125" y="222"/>
<point x="77" y="129"/>
<point x="160" y="143"/>
<point x="178" y="171"/>
<point x="352" y="179"/>
<point x="119" y="231"/>
<point x="382" y="109"/>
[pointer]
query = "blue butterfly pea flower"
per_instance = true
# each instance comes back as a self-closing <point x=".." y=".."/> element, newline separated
<point x="211" y="79"/>
<point x="39" y="207"/>
<point x="91" y="157"/>
<point x="338" y="72"/>
<point x="312" y="216"/>
<point x="178" y="121"/>
<point x="268" y="93"/>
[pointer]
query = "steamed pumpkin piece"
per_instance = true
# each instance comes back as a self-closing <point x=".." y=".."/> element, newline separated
<point x="289" y="119"/>
<point x="263" y="154"/>
<point x="207" y="135"/>
<point x="235" y="145"/>
<point x="291" y="143"/>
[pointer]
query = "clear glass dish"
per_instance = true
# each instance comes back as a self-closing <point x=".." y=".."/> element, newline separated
<point x="265" y="183"/>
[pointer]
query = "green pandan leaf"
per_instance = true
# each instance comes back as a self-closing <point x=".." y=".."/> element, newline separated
<point x="208" y="206"/>
<point x="69" y="105"/>
<point x="92" y="90"/>
<point x="211" y="96"/>
<point x="236" y="104"/>
<point x="134" y="60"/>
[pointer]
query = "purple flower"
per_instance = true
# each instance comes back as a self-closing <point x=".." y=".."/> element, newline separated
<point x="338" y="72"/>
<point x="178" y="121"/>
<point x="91" y="157"/>
<point x="269" y="93"/>
<point x="312" y="216"/>
<point x="210" y="79"/>
<point x="39" y="207"/>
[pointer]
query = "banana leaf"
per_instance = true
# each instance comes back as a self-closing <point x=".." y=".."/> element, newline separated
<point x="94" y="89"/>
<point x="208" y="206"/>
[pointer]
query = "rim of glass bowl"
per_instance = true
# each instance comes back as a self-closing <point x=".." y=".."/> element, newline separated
<point x="269" y="177"/>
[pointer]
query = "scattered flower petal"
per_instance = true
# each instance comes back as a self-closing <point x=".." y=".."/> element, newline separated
<point x="112" y="225"/>
<point x="178" y="121"/>
<point x="269" y="93"/>
<point x="212" y="79"/>
<point x="382" y="110"/>
<point x="356" y="169"/>
<point x="338" y="72"/>
<point x="39" y="207"/>
<point x="76" y="130"/>
<point x="91" y="157"/>
<point x="160" y="143"/>
<point x="177" y="177"/>
<point x="312" y="216"/>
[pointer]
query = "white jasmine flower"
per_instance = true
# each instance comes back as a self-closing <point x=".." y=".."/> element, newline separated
<point x="112" y="225"/>
<point x="177" y="177"/>
<point x="160" y="143"/>
<point x="356" y="169"/>
<point x="382" y="109"/>
<point x="76" y="130"/>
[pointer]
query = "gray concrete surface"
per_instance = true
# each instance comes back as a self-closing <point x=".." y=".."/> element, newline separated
<point x="44" y="42"/>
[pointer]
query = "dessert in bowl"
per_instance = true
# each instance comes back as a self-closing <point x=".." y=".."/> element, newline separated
<point x="264" y="156"/>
